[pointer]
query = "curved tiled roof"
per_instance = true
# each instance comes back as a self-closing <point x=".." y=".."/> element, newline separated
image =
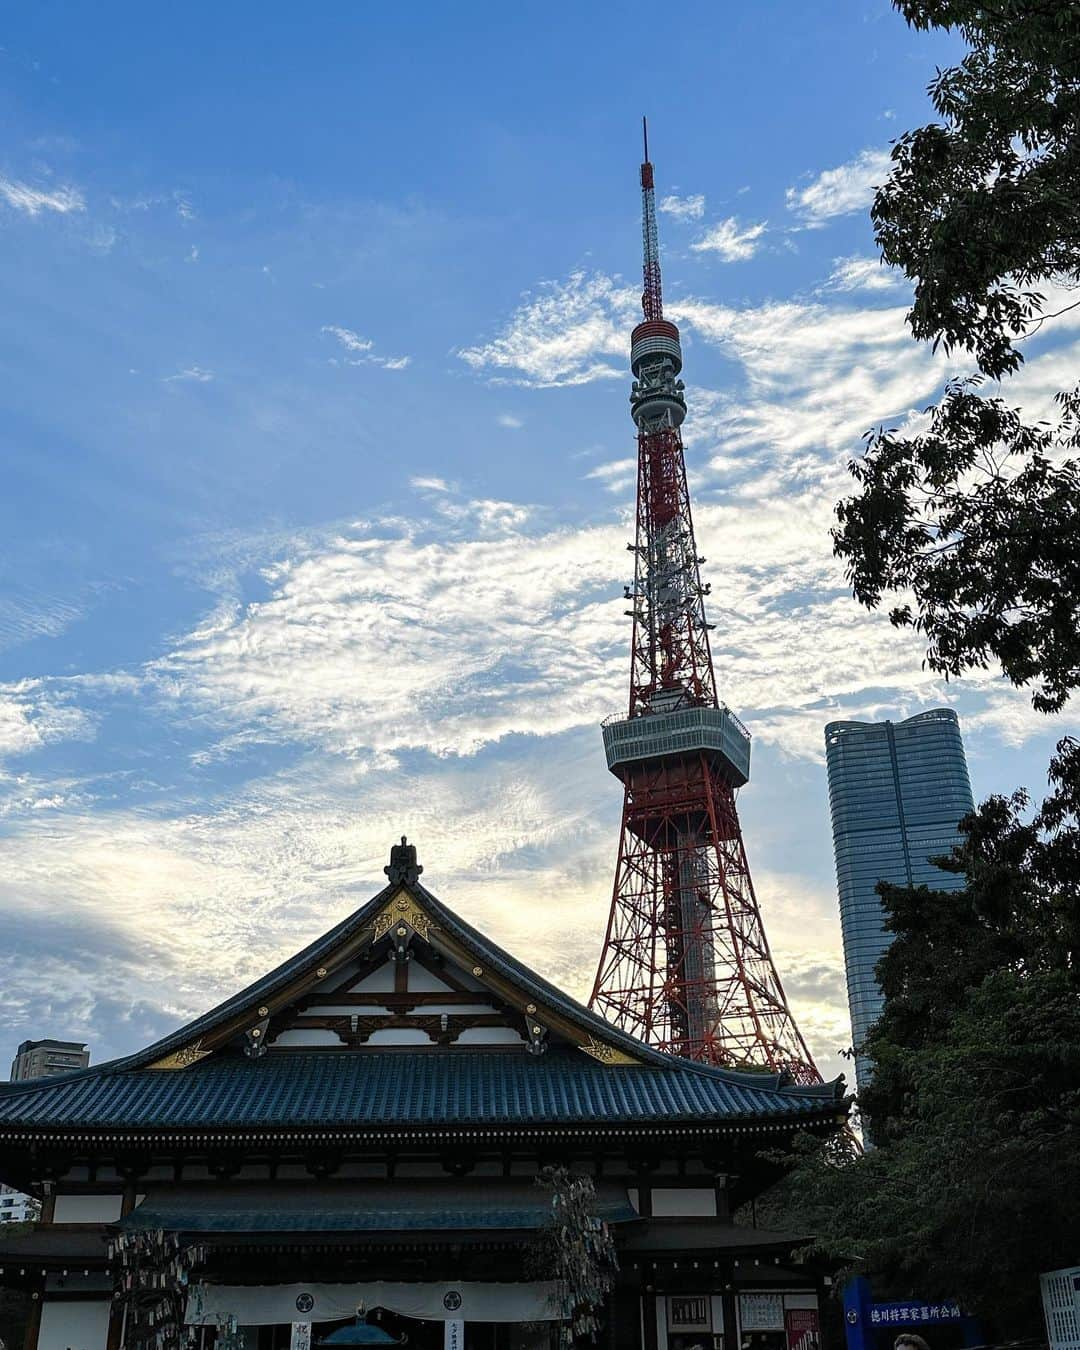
<point x="401" y="1089"/>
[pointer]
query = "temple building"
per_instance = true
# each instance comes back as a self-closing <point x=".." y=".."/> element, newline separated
<point x="351" y="1147"/>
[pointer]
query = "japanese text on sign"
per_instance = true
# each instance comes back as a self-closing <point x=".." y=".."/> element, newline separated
<point x="907" y="1314"/>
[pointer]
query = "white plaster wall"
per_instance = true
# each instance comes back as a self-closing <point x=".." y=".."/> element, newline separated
<point x="422" y="981"/>
<point x="399" y="1036"/>
<point x="343" y="1009"/>
<point x="489" y="1036"/>
<point x="307" y="1036"/>
<point x="687" y="1202"/>
<point x="87" y="1208"/>
<point x="433" y="1009"/>
<point x="379" y="981"/>
<point x="74" y="1326"/>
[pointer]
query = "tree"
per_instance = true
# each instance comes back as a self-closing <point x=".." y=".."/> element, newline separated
<point x="577" y="1251"/>
<point x="152" y="1280"/>
<point x="972" y="522"/>
<point x="975" y="1096"/>
<point x="977" y="516"/>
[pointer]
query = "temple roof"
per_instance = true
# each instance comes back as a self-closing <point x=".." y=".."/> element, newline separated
<point x="400" y="1090"/>
<point x="569" y="1066"/>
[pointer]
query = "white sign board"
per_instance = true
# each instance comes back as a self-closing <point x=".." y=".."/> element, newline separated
<point x="301" y="1336"/>
<point x="454" y="1335"/>
<point x="761" y="1312"/>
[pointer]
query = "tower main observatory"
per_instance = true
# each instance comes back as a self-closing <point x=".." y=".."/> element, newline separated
<point x="685" y="965"/>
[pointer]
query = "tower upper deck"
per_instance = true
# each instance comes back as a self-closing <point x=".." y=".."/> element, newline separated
<point x="687" y="731"/>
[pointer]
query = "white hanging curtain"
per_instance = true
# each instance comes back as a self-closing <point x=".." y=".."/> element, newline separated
<point x="276" y="1304"/>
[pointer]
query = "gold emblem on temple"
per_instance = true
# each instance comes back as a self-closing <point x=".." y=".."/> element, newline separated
<point x="606" y="1054"/>
<point x="183" y="1058"/>
<point x="402" y="909"/>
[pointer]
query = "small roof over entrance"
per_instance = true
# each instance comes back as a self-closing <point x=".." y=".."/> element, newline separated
<point x="371" y="1208"/>
<point x="360" y="1333"/>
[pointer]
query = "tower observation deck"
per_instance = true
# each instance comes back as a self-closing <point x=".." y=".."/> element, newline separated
<point x="685" y="965"/>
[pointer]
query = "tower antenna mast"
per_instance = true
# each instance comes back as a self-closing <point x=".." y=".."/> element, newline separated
<point x="685" y="965"/>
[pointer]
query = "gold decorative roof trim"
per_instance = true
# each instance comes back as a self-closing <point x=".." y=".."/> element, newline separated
<point x="402" y="909"/>
<point x="183" y="1058"/>
<point x="606" y="1054"/>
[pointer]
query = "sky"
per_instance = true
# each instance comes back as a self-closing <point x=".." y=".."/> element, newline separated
<point x="318" y="468"/>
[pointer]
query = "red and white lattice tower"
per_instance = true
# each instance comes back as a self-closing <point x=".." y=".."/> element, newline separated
<point x="685" y="964"/>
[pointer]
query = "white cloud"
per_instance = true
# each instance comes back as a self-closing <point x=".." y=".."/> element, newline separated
<point x="616" y="475"/>
<point x="816" y="376"/>
<point x="474" y="661"/>
<point x="509" y="421"/>
<point x="732" y="241"/>
<point x="351" y="341"/>
<point x="216" y="895"/>
<point x="430" y="484"/>
<point x="178" y="200"/>
<point x="840" y="191"/>
<point x="32" y="201"/>
<point x="684" y="208"/>
<point x="857" y="273"/>
<point x="563" y="336"/>
<point x="364" y="349"/>
<point x="195" y="373"/>
<point x="33" y="715"/>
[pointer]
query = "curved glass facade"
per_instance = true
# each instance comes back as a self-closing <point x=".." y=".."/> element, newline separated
<point x="897" y="791"/>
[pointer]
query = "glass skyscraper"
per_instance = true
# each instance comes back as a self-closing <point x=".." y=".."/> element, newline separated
<point x="897" y="793"/>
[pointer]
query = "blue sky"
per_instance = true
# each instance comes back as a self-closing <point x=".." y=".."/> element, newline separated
<point x="318" y="467"/>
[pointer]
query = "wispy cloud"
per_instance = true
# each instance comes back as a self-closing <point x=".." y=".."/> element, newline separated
<point x="197" y="374"/>
<point x="563" y="336"/>
<point x="509" y="421"/>
<point x="31" y="201"/>
<point x="731" y="241"/>
<point x="34" y="714"/>
<point x="177" y="200"/>
<point x="858" y="273"/>
<point x="616" y="475"/>
<point x="838" y="192"/>
<point x="300" y="665"/>
<point x="684" y="208"/>
<point x="363" y="349"/>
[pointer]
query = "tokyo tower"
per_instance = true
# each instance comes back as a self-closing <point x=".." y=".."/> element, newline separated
<point x="685" y="965"/>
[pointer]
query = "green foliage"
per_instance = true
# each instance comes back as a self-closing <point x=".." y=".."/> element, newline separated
<point x="979" y="519"/>
<point x="975" y="1101"/>
<point x="974" y="1105"/>
<point x="977" y="516"/>
<point x="982" y="206"/>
